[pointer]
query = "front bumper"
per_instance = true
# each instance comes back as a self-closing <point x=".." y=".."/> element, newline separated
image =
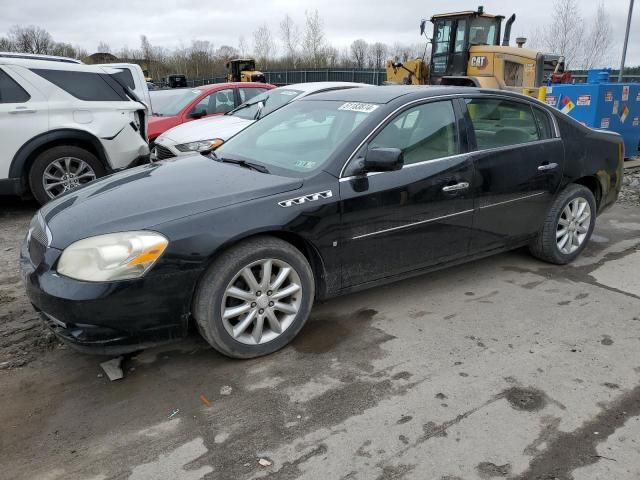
<point x="108" y="317"/>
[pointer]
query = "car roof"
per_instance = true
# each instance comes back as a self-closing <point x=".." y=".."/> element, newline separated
<point x="311" y="87"/>
<point x="220" y="86"/>
<point x="388" y="93"/>
<point x="32" y="56"/>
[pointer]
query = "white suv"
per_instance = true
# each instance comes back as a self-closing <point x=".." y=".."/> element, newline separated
<point x="64" y="123"/>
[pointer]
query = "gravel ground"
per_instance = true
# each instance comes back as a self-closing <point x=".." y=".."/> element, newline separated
<point x="630" y="194"/>
<point x="22" y="335"/>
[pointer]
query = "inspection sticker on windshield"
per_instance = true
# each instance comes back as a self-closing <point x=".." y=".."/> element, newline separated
<point x="358" y="107"/>
<point x="289" y="93"/>
<point x="305" y="164"/>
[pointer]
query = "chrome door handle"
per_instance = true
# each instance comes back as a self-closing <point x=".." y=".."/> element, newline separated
<point x="22" y="110"/>
<point x="548" y="166"/>
<point x="456" y="187"/>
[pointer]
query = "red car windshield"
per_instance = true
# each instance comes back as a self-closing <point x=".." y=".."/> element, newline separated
<point x="177" y="105"/>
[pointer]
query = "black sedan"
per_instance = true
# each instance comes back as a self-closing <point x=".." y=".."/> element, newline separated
<point x="337" y="192"/>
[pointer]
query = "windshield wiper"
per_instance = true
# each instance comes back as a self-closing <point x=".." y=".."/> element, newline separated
<point x="243" y="163"/>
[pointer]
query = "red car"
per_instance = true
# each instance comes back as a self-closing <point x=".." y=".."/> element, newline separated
<point x="199" y="102"/>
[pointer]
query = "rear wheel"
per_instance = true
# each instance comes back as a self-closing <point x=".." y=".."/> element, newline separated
<point x="61" y="169"/>
<point x="568" y="226"/>
<point x="255" y="298"/>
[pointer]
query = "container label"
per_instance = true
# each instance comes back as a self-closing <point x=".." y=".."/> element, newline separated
<point x="550" y="90"/>
<point x="638" y="96"/>
<point x="566" y="104"/>
<point x="604" y="123"/>
<point x="624" y="113"/>
<point x="583" y="100"/>
<point x="625" y="93"/>
<point x="550" y="100"/>
<point x="636" y="121"/>
<point x="616" y="104"/>
<point x="608" y="96"/>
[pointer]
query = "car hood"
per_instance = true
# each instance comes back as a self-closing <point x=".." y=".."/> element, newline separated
<point x="149" y="195"/>
<point x="222" y="127"/>
<point x="158" y="125"/>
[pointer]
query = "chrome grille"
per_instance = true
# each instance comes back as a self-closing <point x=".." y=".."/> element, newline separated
<point x="163" y="152"/>
<point x="39" y="230"/>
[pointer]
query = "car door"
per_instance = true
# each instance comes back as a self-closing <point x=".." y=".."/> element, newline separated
<point x="397" y="222"/>
<point x="24" y="114"/>
<point x="518" y="163"/>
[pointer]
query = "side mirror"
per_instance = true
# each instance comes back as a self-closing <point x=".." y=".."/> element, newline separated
<point x="383" y="160"/>
<point x="196" y="114"/>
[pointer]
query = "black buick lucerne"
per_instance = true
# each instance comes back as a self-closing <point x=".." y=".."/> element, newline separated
<point x="341" y="191"/>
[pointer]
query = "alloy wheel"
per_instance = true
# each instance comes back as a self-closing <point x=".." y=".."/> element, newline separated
<point x="261" y="301"/>
<point x="65" y="174"/>
<point x="573" y="225"/>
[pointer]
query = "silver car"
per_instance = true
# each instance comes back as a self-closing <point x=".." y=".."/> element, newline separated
<point x="211" y="132"/>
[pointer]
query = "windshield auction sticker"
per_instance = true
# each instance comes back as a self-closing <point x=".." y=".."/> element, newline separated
<point x="358" y="107"/>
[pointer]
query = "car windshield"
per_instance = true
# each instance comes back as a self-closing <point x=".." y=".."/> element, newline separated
<point x="298" y="138"/>
<point x="271" y="100"/>
<point x="176" y="105"/>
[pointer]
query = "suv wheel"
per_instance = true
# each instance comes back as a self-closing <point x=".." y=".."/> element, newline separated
<point x="255" y="298"/>
<point x="61" y="169"/>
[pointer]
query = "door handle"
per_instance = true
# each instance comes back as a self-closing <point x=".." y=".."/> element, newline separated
<point x="22" y="110"/>
<point x="547" y="166"/>
<point x="456" y="187"/>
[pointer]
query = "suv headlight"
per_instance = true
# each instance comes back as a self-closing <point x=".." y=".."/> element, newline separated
<point x="200" y="145"/>
<point x="115" y="256"/>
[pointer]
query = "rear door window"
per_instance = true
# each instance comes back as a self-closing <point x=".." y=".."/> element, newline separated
<point x="422" y="133"/>
<point x="10" y="91"/>
<point x="221" y="101"/>
<point x="500" y="123"/>
<point x="87" y="86"/>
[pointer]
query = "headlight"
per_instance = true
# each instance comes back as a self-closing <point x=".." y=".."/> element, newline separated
<point x="200" y="145"/>
<point x="115" y="256"/>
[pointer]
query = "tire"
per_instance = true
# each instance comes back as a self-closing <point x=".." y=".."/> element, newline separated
<point x="212" y="296"/>
<point x="546" y="245"/>
<point x="81" y="161"/>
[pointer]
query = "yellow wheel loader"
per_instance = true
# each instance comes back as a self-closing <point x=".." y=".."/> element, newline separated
<point x="466" y="50"/>
<point x="243" y="70"/>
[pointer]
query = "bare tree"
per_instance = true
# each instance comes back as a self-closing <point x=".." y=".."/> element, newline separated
<point x="597" y="42"/>
<point x="359" y="49"/>
<point x="564" y="33"/>
<point x="313" y="41"/>
<point x="6" y="45"/>
<point x="103" y="47"/>
<point x="225" y="53"/>
<point x="263" y="45"/>
<point x="31" y="39"/>
<point x="378" y="55"/>
<point x="290" y="37"/>
<point x="243" y="48"/>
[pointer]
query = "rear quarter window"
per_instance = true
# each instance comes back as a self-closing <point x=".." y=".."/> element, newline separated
<point x="87" y="86"/>
<point x="10" y="91"/>
<point x="544" y="123"/>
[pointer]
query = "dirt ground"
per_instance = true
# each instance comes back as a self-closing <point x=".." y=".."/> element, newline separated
<point x="502" y="368"/>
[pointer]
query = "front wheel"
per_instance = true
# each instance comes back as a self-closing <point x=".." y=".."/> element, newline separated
<point x="568" y="226"/>
<point x="255" y="298"/>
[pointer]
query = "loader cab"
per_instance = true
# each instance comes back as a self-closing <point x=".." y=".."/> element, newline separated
<point x="243" y="70"/>
<point x="454" y="34"/>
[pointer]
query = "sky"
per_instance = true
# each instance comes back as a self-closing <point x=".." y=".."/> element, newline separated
<point x="171" y="23"/>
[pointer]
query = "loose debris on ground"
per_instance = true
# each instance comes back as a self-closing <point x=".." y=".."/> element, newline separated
<point x="630" y="194"/>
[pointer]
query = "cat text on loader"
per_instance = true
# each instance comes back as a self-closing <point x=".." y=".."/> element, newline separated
<point x="466" y="50"/>
<point x="243" y="70"/>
